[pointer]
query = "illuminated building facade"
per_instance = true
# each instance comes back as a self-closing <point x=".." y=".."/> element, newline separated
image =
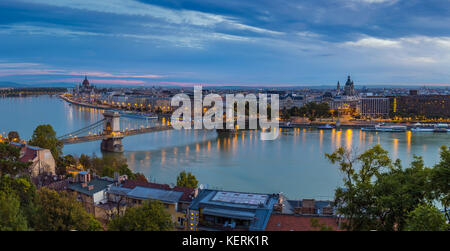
<point x="427" y="106"/>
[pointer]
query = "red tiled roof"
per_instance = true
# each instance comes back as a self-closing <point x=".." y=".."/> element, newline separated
<point x="187" y="192"/>
<point x="134" y="183"/>
<point x="29" y="155"/>
<point x="279" y="222"/>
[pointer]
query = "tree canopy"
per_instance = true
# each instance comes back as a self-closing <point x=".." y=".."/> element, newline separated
<point x="45" y="137"/>
<point x="311" y="110"/>
<point x="150" y="216"/>
<point x="13" y="136"/>
<point x="62" y="212"/>
<point x="440" y="180"/>
<point x="377" y="193"/>
<point x="187" y="180"/>
<point x="9" y="160"/>
<point x="11" y="217"/>
<point x="426" y="218"/>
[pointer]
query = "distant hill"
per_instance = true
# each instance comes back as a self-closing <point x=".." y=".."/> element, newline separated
<point x="6" y="84"/>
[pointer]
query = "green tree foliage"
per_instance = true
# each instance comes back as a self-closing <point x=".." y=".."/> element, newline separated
<point x="106" y="165"/>
<point x="11" y="217"/>
<point x="9" y="160"/>
<point x="24" y="190"/>
<point x="151" y="216"/>
<point x="311" y="110"/>
<point x="319" y="226"/>
<point x="441" y="180"/>
<point x="426" y="217"/>
<point x="63" y="162"/>
<point x="62" y="212"/>
<point x="187" y="180"/>
<point x="140" y="177"/>
<point x="13" y="136"/>
<point x="109" y="164"/>
<point x="378" y="194"/>
<point x="399" y="191"/>
<point x="45" y="137"/>
<point x="85" y="161"/>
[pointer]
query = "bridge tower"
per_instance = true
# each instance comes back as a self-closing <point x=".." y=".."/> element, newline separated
<point x="111" y="128"/>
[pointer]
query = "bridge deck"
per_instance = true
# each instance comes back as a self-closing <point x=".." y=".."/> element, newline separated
<point x="74" y="140"/>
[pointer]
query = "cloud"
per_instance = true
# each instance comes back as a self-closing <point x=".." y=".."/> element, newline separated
<point x="415" y="53"/>
<point x="374" y="43"/>
<point x="172" y="16"/>
<point x="376" y="1"/>
<point x="98" y="81"/>
<point x="180" y="38"/>
<point x="35" y="69"/>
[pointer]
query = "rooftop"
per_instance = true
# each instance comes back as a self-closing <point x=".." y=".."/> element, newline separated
<point x="99" y="185"/>
<point x="279" y="222"/>
<point x="186" y="196"/>
<point x="245" y="206"/>
<point x="155" y="194"/>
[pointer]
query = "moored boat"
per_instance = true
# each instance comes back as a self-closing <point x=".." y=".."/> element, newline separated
<point x="368" y="129"/>
<point x="137" y="115"/>
<point x="390" y="128"/>
<point x="441" y="128"/>
<point x="326" y="127"/>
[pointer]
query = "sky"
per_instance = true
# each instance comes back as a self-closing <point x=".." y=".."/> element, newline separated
<point x="228" y="42"/>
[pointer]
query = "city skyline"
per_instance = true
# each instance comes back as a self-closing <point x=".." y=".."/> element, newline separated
<point x="232" y="43"/>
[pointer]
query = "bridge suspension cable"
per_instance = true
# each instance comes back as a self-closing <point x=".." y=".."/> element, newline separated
<point x="82" y="130"/>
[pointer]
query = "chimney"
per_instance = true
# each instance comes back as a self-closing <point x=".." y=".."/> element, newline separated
<point x="116" y="177"/>
<point x="195" y="192"/>
<point x="308" y="206"/>
<point x="90" y="187"/>
<point x="83" y="185"/>
<point x="280" y="198"/>
<point x="328" y="210"/>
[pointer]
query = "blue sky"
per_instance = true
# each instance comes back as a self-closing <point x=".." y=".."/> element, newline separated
<point x="229" y="42"/>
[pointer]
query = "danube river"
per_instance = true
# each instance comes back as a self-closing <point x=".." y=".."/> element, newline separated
<point x="293" y="164"/>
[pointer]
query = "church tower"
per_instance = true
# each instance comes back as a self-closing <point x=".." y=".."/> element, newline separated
<point x="349" y="88"/>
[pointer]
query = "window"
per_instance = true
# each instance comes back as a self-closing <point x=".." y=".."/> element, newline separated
<point x="181" y="221"/>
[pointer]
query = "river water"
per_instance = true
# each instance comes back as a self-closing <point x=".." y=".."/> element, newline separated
<point x="294" y="164"/>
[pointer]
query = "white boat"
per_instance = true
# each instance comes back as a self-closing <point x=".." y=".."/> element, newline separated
<point x="422" y="129"/>
<point x="418" y="127"/>
<point x="430" y="128"/>
<point x="369" y="129"/>
<point x="441" y="128"/>
<point x="325" y="127"/>
<point x="389" y="128"/>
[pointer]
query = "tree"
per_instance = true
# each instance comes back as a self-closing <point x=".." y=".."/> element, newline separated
<point x="85" y="161"/>
<point x="187" y="180"/>
<point x="316" y="224"/>
<point x="356" y="200"/>
<point x="399" y="191"/>
<point x="62" y="212"/>
<point x="13" y="136"/>
<point x="45" y="137"/>
<point x="11" y="217"/>
<point x="9" y="160"/>
<point x="378" y="194"/>
<point x="150" y="216"/>
<point x="140" y="177"/>
<point x="440" y="180"/>
<point x="111" y="163"/>
<point x="24" y="190"/>
<point x="426" y="217"/>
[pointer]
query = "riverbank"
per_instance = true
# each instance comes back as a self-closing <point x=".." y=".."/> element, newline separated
<point x="84" y="104"/>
